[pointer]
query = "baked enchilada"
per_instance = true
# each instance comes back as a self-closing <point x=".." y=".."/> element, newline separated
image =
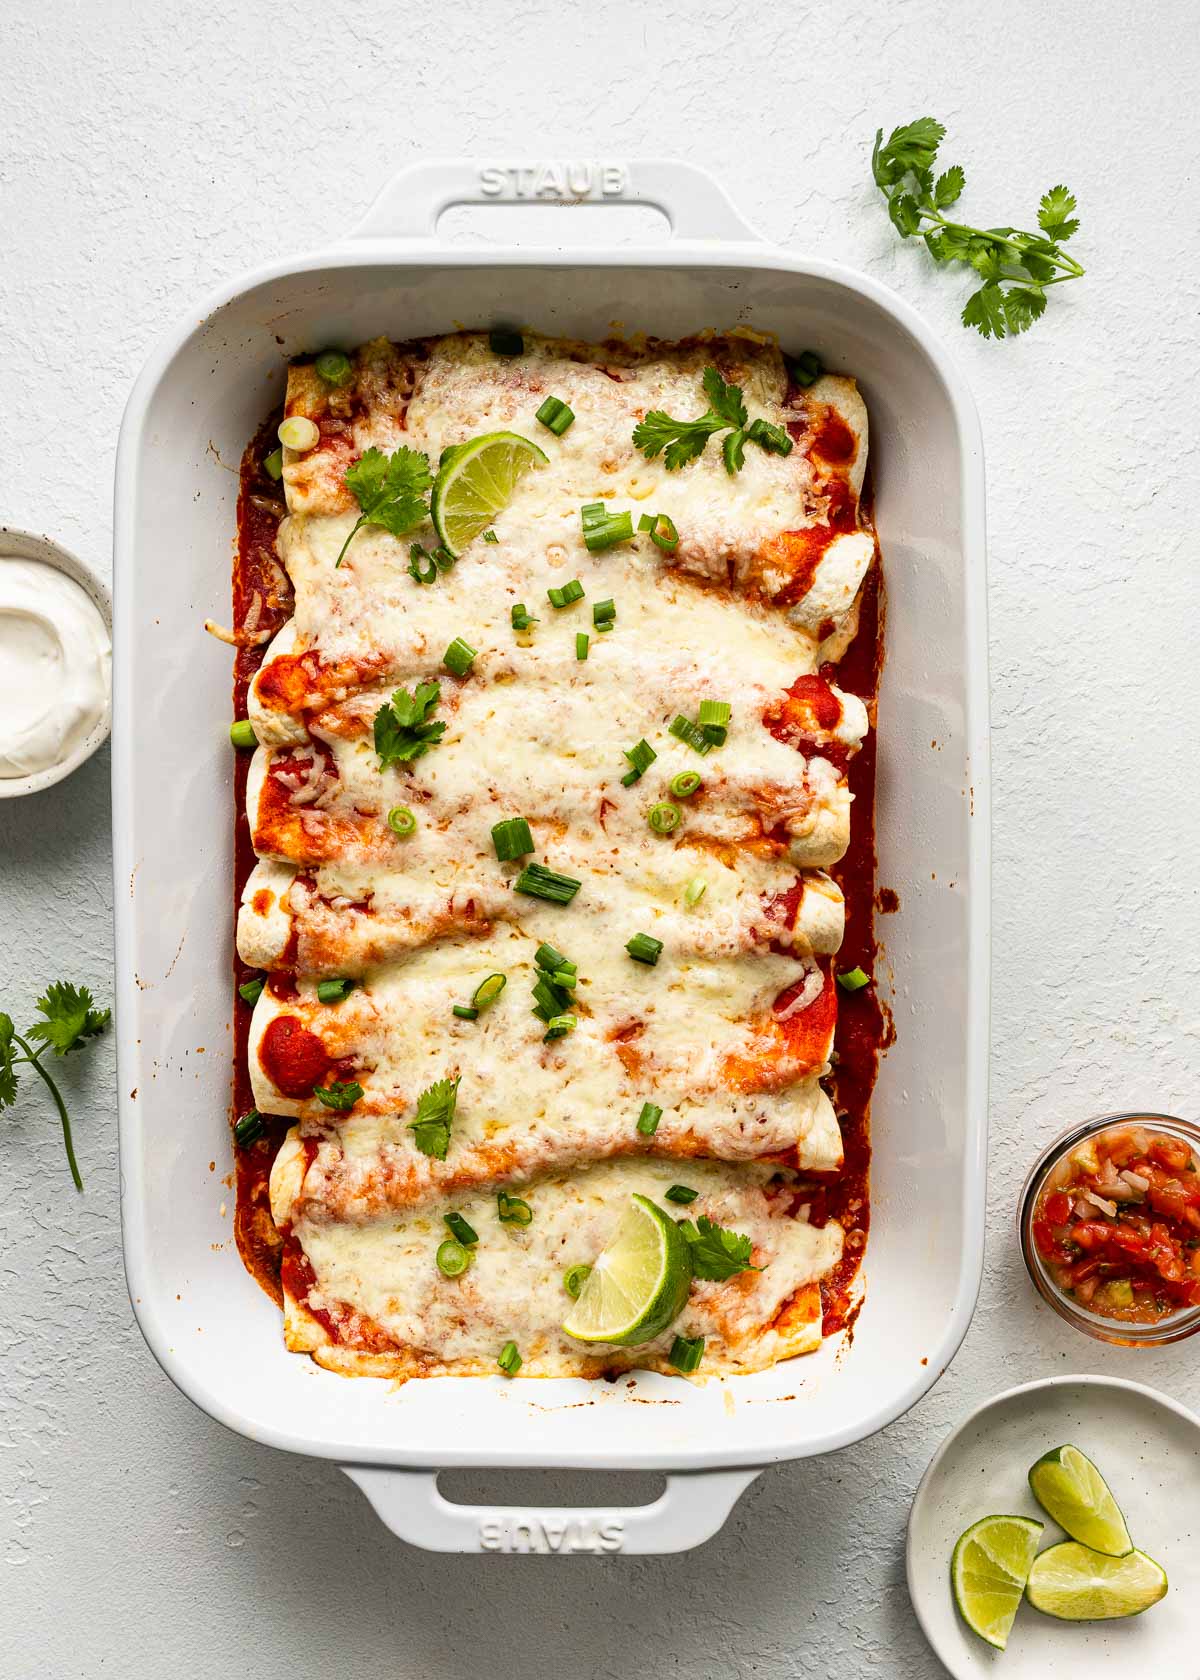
<point x="557" y="661"/>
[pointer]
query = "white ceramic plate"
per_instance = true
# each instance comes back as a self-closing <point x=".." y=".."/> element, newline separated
<point x="1148" y="1449"/>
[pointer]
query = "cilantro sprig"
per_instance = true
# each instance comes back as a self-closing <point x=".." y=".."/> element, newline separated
<point x="402" y="727"/>
<point x="717" y="1253"/>
<point x="435" y="1114"/>
<point x="391" y="490"/>
<point x="681" y="441"/>
<point x="338" y="1095"/>
<point x="1016" y="268"/>
<point x="70" y="1020"/>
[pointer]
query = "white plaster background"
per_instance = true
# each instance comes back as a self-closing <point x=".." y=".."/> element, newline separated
<point x="147" y="151"/>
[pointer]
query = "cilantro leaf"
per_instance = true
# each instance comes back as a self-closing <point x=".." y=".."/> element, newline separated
<point x="685" y="440"/>
<point x="1015" y="265"/>
<point x="391" y="490"/>
<point x="984" y="310"/>
<point x="949" y="186"/>
<point x="1056" y="213"/>
<point x="717" y="1253"/>
<point x="338" y="1096"/>
<point x="403" y="731"/>
<point x="725" y="401"/>
<point x="8" y="1077"/>
<point x="914" y="145"/>
<point x="1022" y="306"/>
<point x="435" y="1115"/>
<point x="70" y="1017"/>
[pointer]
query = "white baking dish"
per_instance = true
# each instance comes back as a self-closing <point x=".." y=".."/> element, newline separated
<point x="199" y="399"/>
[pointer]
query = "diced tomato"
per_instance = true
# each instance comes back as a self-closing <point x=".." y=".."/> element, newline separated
<point x="1171" y="1152"/>
<point x="1057" y="1208"/>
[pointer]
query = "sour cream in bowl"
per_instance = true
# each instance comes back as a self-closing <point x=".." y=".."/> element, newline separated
<point x="55" y="663"/>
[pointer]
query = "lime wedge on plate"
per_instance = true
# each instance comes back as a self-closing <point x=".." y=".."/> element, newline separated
<point x="1069" y="1488"/>
<point x="1078" y="1585"/>
<point x="638" y="1284"/>
<point x="475" y="482"/>
<point x="988" y="1572"/>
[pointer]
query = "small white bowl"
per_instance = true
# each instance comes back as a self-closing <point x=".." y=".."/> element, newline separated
<point x="1147" y="1447"/>
<point x="24" y="545"/>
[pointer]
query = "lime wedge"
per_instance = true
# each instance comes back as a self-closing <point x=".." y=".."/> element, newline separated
<point x="638" y="1284"/>
<point x="1069" y="1488"/>
<point x="475" y="482"/>
<point x="989" y="1570"/>
<point x="1078" y="1585"/>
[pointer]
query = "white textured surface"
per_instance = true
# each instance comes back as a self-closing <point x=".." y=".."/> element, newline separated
<point x="140" y="163"/>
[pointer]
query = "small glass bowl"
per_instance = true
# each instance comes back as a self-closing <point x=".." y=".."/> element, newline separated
<point x="1174" y="1327"/>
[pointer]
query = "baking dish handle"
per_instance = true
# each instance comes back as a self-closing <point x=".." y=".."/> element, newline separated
<point x="413" y="201"/>
<point x="692" y="1507"/>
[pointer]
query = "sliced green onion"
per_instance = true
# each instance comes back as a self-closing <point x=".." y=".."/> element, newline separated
<point x="547" y="957"/>
<point x="694" y="891"/>
<point x="466" y="1234"/>
<point x="512" y="839"/>
<point x="733" y="452"/>
<point x="487" y="991"/>
<point x="273" y="465"/>
<point x="555" y="416"/>
<point x="806" y="368"/>
<point x="401" y="821"/>
<point x="521" y="620"/>
<point x="770" y="437"/>
<point x="604" y="614"/>
<point x="664" y="818"/>
<point x="509" y="1360"/>
<point x="453" y="1258"/>
<point x="549" y="1000"/>
<point x="459" y="657"/>
<point x="558" y="1026"/>
<point x="644" y="948"/>
<point x="853" y="980"/>
<point x="691" y="734"/>
<point x="641" y="756"/>
<point x="648" y="1119"/>
<point x="567" y="594"/>
<point x="242" y="733"/>
<point x="504" y="342"/>
<point x="574" y="1279"/>
<point x="537" y="881"/>
<point x="422" y="567"/>
<point x="601" y="529"/>
<point x="333" y="991"/>
<point x="300" y="433"/>
<point x="681" y="1193"/>
<point x="662" y="531"/>
<point x="251" y="990"/>
<point x="249" y="1128"/>
<point x="334" y="367"/>
<point x="581" y="644"/>
<point x="511" y="1210"/>
<point x="465" y="1012"/>
<point x="685" y="784"/>
<point x="490" y="536"/>
<point x="686" y="1353"/>
<point x="713" y="720"/>
<point x="565" y="977"/>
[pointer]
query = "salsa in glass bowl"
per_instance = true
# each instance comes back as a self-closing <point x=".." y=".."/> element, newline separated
<point x="1110" y="1227"/>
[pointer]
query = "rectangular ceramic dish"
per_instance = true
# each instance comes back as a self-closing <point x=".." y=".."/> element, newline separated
<point x="200" y="398"/>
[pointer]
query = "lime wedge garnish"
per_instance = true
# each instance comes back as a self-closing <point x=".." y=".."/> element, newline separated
<point x="475" y="482"/>
<point x="638" y="1284"/>
<point x="989" y="1570"/>
<point x="1078" y="1585"/>
<point x="1069" y="1488"/>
